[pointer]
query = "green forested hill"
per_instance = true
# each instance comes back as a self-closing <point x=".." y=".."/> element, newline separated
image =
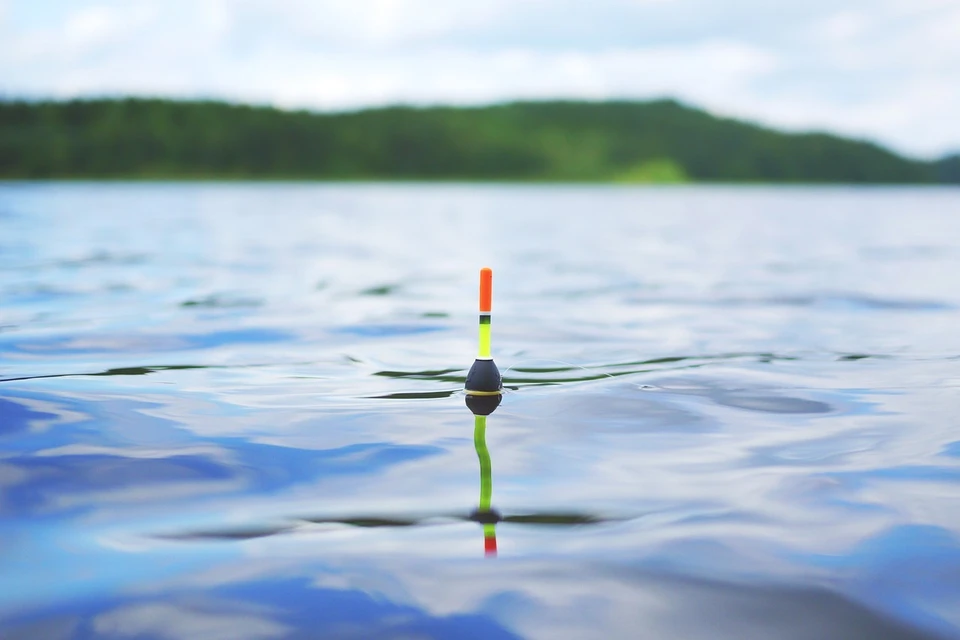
<point x="660" y="141"/>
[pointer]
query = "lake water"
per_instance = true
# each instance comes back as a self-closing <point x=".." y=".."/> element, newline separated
<point x="235" y="411"/>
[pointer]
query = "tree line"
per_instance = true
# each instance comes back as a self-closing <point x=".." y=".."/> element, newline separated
<point x="625" y="141"/>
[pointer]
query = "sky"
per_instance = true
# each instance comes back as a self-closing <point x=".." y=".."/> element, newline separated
<point x="882" y="70"/>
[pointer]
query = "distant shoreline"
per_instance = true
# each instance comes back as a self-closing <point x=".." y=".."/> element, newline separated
<point x="660" y="142"/>
<point x="193" y="181"/>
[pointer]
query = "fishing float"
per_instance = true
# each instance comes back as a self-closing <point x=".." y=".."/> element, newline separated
<point x="484" y="390"/>
<point x="484" y="386"/>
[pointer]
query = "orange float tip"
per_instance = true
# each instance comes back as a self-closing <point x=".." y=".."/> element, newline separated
<point x="486" y="289"/>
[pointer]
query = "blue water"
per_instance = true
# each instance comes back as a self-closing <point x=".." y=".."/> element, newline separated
<point x="235" y="411"/>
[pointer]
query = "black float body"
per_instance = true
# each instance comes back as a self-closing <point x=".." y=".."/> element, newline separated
<point x="483" y="377"/>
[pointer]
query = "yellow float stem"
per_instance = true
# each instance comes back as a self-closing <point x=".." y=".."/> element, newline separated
<point x="484" y="351"/>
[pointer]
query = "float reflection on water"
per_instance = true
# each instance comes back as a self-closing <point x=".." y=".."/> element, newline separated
<point x="485" y="514"/>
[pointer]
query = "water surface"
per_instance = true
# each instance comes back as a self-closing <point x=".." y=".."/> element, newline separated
<point x="235" y="411"/>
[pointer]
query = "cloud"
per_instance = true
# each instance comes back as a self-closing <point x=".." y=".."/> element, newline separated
<point x="882" y="70"/>
<point x="166" y="621"/>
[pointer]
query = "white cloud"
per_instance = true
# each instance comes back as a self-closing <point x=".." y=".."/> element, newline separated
<point x="90" y="25"/>
<point x="469" y="77"/>
<point x="171" y="622"/>
<point x="844" y="25"/>
<point x="883" y="70"/>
